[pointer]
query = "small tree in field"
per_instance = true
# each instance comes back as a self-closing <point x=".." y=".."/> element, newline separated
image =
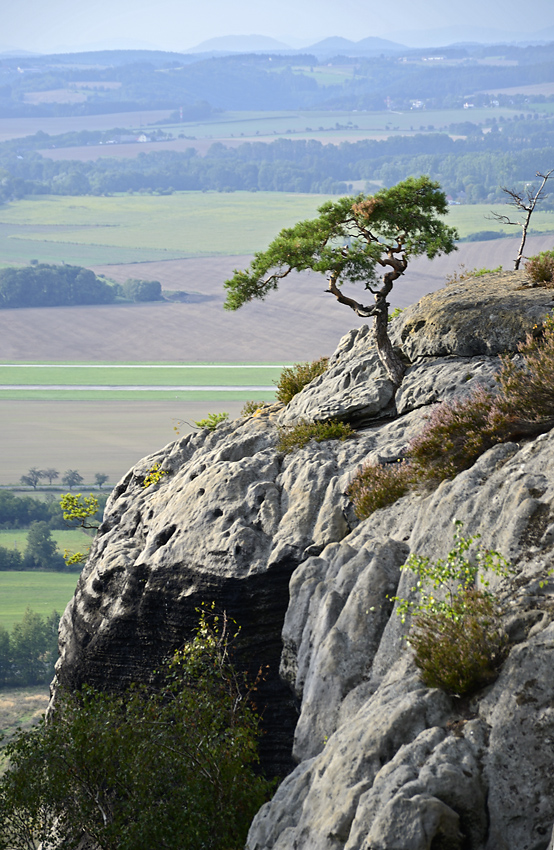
<point x="100" y="478"/>
<point x="71" y="478"/>
<point x="32" y="478"/>
<point x="352" y="240"/>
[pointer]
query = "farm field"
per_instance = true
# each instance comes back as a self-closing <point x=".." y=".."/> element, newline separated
<point x="185" y="224"/>
<point x="21" y="707"/>
<point x="93" y="436"/>
<point x="139" y="381"/>
<point x="233" y="128"/>
<point x="17" y="128"/>
<point x="74" y="539"/>
<point x="43" y="592"/>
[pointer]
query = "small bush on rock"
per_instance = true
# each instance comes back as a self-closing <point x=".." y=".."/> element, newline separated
<point x="376" y="486"/>
<point x="252" y="407"/>
<point x="456" y="631"/>
<point x="540" y="268"/>
<point x="456" y="434"/>
<point x="460" y="651"/>
<point x="527" y="383"/>
<point x="297" y="436"/>
<point x="295" y="378"/>
<point x="212" y="420"/>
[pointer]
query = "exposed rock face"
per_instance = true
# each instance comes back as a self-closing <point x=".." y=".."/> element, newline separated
<point x="382" y="762"/>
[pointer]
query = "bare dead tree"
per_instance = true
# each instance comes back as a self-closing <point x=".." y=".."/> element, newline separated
<point x="524" y="201"/>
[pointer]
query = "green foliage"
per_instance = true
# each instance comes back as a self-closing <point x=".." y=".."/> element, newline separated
<point x="45" y="285"/>
<point x="396" y="313"/>
<point x="440" y="583"/>
<point x="169" y="766"/>
<point x="460" y="653"/>
<point x="79" y="510"/>
<point x="540" y="268"/>
<point x="83" y="511"/>
<point x="456" y="634"/>
<point x="370" y="227"/>
<point x="41" y="552"/>
<point x="295" y="378"/>
<point x="142" y="290"/>
<point x="376" y="486"/>
<point x="154" y="475"/>
<point x="29" y="653"/>
<point x="297" y="436"/>
<point x="212" y="421"/>
<point x="483" y="271"/>
<point x="250" y="408"/>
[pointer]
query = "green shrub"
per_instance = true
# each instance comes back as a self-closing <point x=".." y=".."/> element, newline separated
<point x="295" y="378"/>
<point x="376" y="486"/>
<point x="212" y="421"/>
<point x="170" y="766"/>
<point x="461" y="652"/>
<point x="251" y="407"/>
<point x="297" y="436"/>
<point x="456" y="632"/>
<point x="540" y="268"/>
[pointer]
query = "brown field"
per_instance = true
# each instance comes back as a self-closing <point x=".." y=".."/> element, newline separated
<point x="54" y="96"/>
<point x="16" y="128"/>
<point x="300" y="322"/>
<point x="22" y="707"/>
<point x="92" y="436"/>
<point x="132" y="149"/>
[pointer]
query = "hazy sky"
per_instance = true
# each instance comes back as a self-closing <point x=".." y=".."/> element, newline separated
<point x="179" y="24"/>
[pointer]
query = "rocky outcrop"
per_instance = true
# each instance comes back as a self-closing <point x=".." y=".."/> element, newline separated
<point x="380" y="762"/>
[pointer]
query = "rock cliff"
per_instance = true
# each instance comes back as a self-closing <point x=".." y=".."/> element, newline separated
<point x="379" y="761"/>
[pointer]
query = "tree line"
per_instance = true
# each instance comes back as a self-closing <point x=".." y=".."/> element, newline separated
<point x="46" y="285"/>
<point x="476" y="164"/>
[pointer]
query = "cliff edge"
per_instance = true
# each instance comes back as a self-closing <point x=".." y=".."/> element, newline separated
<point x="374" y="759"/>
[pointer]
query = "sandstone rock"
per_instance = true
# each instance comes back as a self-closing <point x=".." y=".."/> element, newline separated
<point x="480" y="315"/>
<point x="355" y="386"/>
<point x="384" y="763"/>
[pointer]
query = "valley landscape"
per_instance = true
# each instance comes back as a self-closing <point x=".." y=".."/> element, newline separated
<point x="179" y="167"/>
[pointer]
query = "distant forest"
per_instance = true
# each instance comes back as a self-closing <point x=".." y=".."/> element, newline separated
<point x="473" y="168"/>
<point x="471" y="162"/>
<point x="127" y="80"/>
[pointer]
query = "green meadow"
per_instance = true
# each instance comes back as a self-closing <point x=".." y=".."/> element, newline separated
<point x="91" y="230"/>
<point x="74" y="539"/>
<point x="44" y="592"/>
<point x="69" y="382"/>
<point x="112" y="229"/>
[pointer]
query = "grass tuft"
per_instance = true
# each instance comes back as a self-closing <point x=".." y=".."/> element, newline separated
<point x="297" y="436"/>
<point x="295" y="378"/>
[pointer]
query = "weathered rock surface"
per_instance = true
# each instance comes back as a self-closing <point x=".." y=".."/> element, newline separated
<point x="475" y="316"/>
<point x="382" y="762"/>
